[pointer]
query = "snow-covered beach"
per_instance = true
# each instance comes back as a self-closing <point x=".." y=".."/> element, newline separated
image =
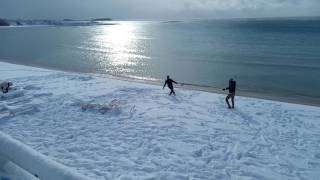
<point x="112" y="129"/>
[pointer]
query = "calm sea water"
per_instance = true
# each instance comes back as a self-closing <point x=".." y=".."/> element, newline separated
<point x="267" y="56"/>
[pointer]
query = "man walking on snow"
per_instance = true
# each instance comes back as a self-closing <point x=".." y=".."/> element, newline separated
<point x="232" y="92"/>
<point x="170" y="85"/>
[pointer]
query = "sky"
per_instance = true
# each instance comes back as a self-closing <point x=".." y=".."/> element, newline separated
<point x="155" y="9"/>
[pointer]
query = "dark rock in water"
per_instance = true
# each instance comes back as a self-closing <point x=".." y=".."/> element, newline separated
<point x="102" y="19"/>
<point x="67" y="19"/>
<point x="4" y="23"/>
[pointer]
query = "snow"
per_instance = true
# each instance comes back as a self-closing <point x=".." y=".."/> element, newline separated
<point x="35" y="164"/>
<point x="110" y="129"/>
<point x="11" y="171"/>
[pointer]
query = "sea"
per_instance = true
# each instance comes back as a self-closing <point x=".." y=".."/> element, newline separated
<point x="272" y="58"/>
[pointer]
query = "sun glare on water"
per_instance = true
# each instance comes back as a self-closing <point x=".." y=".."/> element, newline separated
<point x="120" y="43"/>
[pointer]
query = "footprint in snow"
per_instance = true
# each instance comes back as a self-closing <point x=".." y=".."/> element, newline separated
<point x="317" y="155"/>
<point x="12" y="95"/>
<point x="82" y="78"/>
<point x="31" y="87"/>
<point x="259" y="113"/>
<point x="42" y="95"/>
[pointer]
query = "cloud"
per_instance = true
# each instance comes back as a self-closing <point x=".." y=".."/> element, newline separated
<point x="227" y="8"/>
<point x="239" y="4"/>
<point x="152" y="9"/>
<point x="250" y="8"/>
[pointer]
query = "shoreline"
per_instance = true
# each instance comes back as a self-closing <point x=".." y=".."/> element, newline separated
<point x="309" y="101"/>
<point x="300" y="100"/>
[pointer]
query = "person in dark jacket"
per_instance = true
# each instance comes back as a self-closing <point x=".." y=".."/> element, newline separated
<point x="232" y="92"/>
<point x="170" y="85"/>
<point x="5" y="86"/>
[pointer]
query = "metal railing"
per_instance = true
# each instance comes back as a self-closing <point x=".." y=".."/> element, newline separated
<point x="21" y="160"/>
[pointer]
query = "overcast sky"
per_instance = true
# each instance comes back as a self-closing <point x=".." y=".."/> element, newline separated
<point x="155" y="9"/>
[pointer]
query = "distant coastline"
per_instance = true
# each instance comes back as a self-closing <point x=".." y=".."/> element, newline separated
<point x="64" y="22"/>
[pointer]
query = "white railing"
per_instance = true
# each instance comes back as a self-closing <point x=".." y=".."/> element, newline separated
<point x="19" y="159"/>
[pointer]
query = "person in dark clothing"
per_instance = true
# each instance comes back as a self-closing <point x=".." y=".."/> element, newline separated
<point x="5" y="86"/>
<point x="170" y="85"/>
<point x="232" y="92"/>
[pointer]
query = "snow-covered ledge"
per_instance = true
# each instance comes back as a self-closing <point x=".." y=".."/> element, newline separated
<point x="21" y="159"/>
<point x="11" y="171"/>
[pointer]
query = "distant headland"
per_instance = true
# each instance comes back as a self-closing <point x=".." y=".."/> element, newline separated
<point x="4" y="23"/>
<point x="64" y="22"/>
